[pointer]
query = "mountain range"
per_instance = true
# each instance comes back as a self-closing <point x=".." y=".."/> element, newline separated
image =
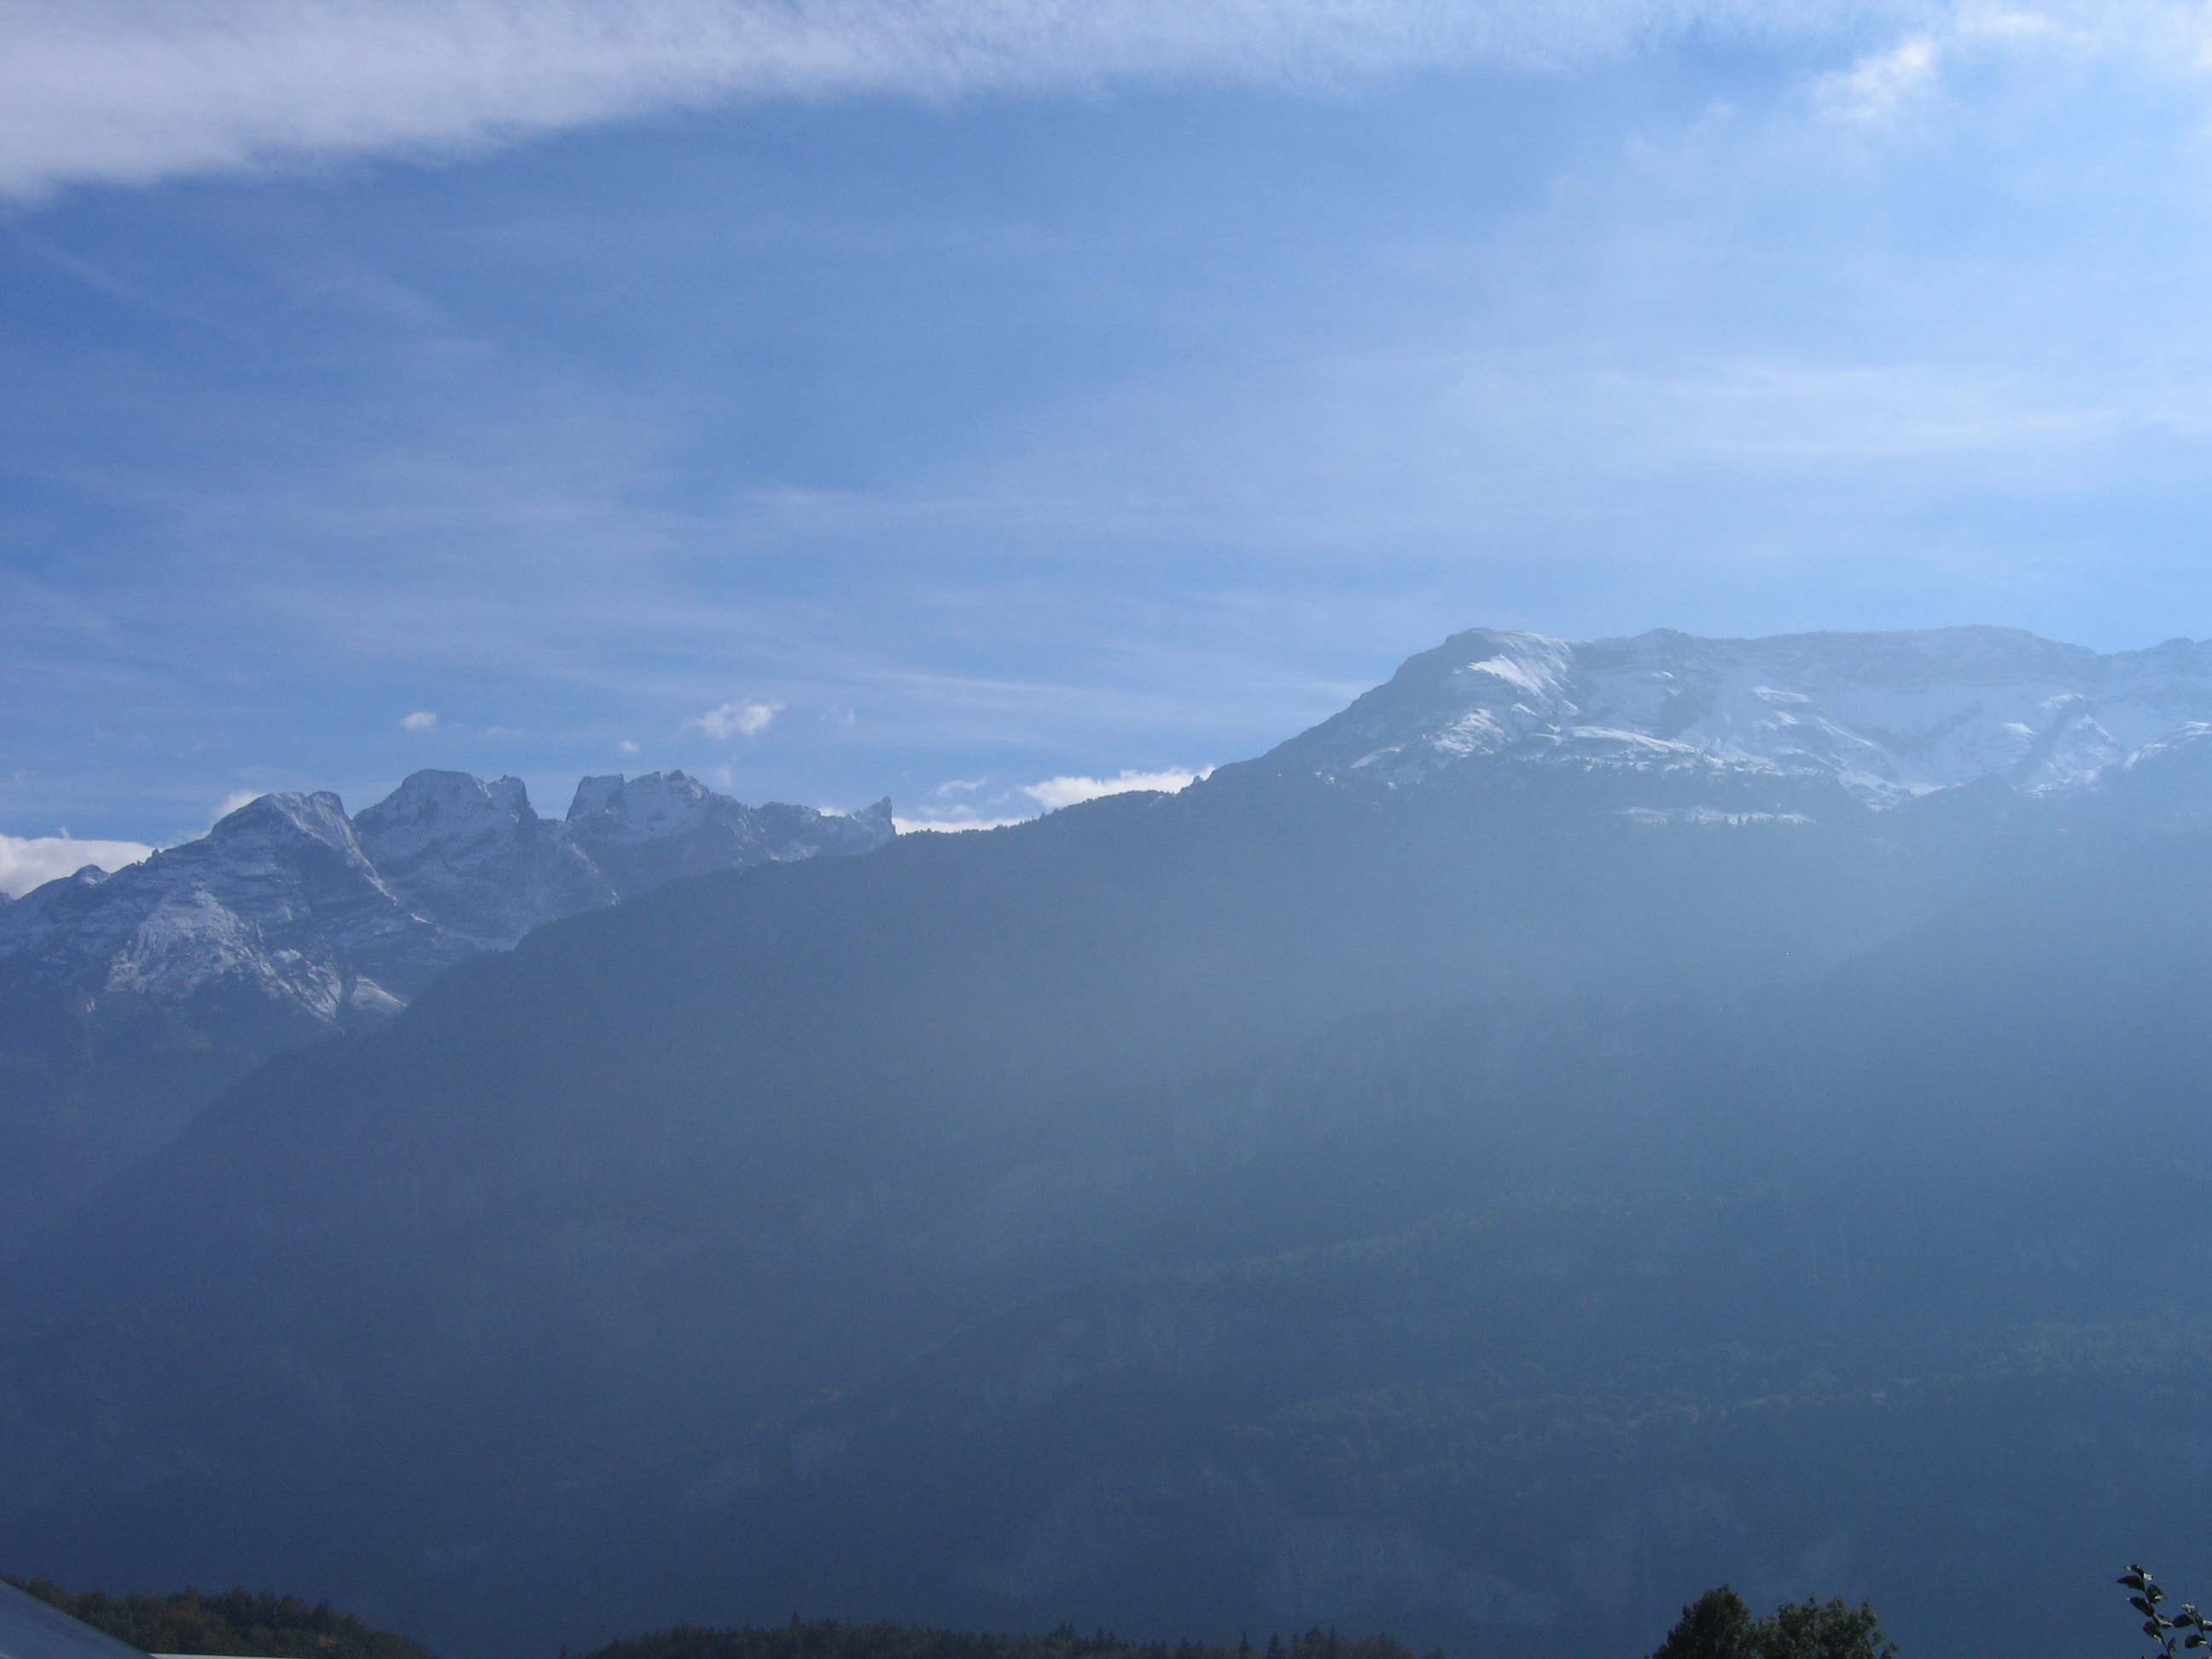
<point x="129" y="1001"/>
<point x="1884" y="718"/>
<point x="1589" y="1121"/>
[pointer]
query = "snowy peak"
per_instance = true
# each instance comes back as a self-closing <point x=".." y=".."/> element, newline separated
<point x="1885" y="716"/>
<point x="653" y="807"/>
<point x="474" y="858"/>
<point x="278" y="899"/>
<point x="445" y="812"/>
<point x="286" y="816"/>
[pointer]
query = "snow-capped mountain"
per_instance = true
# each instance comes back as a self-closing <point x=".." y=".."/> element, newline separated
<point x="128" y="1001"/>
<point x="278" y="899"/>
<point x="332" y="917"/>
<point x="1885" y="717"/>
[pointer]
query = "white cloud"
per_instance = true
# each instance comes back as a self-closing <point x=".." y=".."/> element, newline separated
<point x="26" y="862"/>
<point x="233" y="800"/>
<point x="994" y="813"/>
<point x="131" y="91"/>
<point x="1055" y="792"/>
<point x="1874" y="88"/>
<point x="951" y="826"/>
<point x="627" y="747"/>
<point x="735" y="719"/>
<point x="421" y="720"/>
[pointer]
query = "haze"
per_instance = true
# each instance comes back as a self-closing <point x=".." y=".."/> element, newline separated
<point x="1562" y="652"/>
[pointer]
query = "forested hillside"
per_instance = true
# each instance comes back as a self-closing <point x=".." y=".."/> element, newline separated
<point x="237" y="1622"/>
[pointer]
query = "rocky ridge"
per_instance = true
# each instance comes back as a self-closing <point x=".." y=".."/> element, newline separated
<point x="337" y="917"/>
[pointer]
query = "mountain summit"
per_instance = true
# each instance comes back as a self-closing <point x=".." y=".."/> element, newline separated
<point x="1885" y="717"/>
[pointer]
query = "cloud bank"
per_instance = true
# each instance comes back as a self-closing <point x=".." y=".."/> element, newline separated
<point x="28" y="862"/>
<point x="1051" y="795"/>
<point x="1056" y="793"/>
<point x="133" y="91"/>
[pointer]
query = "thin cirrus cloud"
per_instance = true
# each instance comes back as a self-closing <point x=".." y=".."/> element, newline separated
<point x="422" y="720"/>
<point x="133" y="91"/>
<point x="28" y="861"/>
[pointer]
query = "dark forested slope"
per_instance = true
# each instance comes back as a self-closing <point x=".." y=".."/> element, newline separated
<point x="234" y="1623"/>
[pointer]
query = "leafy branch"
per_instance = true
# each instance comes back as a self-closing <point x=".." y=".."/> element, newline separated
<point x="2173" y="1636"/>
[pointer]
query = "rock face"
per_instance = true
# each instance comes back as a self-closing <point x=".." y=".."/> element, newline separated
<point x="278" y="899"/>
<point x="127" y="999"/>
<point x="332" y="916"/>
<point x="476" y="858"/>
<point x="1884" y="717"/>
<point x="654" y="829"/>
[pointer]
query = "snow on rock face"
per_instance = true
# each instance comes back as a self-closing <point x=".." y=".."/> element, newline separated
<point x="278" y="897"/>
<point x="445" y="815"/>
<point x="647" y="831"/>
<point x="1885" y="716"/>
<point x="476" y="858"/>
<point x="338" y="918"/>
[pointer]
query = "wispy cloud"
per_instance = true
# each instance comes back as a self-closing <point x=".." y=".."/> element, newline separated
<point x="735" y="719"/>
<point x="131" y="91"/>
<point x="1873" y="89"/>
<point x="29" y="861"/>
<point x="422" y="720"/>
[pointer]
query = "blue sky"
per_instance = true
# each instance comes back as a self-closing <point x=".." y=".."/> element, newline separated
<point x="873" y="397"/>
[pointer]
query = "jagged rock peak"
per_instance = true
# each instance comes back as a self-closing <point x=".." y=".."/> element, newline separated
<point x="337" y="917"/>
<point x="285" y="814"/>
<point x="428" y="801"/>
<point x="1886" y="716"/>
<point x="653" y="804"/>
<point x="641" y="832"/>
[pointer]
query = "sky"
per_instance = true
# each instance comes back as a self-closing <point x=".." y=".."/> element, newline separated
<point x="982" y="402"/>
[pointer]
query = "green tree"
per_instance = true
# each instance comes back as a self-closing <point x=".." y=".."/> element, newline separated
<point x="1821" y="1630"/>
<point x="1718" y="1626"/>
